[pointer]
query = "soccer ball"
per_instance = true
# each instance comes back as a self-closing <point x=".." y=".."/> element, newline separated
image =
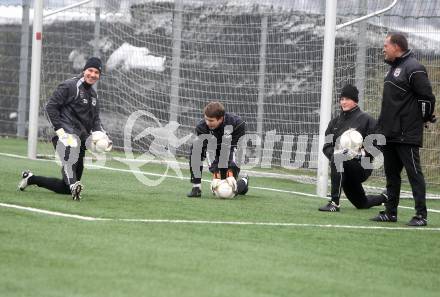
<point x="224" y="190"/>
<point x="352" y="140"/>
<point x="101" y="145"/>
<point x="100" y="141"/>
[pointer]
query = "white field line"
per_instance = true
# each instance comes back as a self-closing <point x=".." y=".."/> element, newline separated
<point x="297" y="178"/>
<point x="275" y="224"/>
<point x="52" y="213"/>
<point x="204" y="180"/>
<point x="305" y="179"/>
<point x="205" y="222"/>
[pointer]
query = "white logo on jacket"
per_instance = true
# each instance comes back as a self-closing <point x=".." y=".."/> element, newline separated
<point x="397" y="72"/>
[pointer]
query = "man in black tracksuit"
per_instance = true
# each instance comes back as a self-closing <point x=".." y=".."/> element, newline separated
<point x="218" y="135"/>
<point x="407" y="103"/>
<point x="73" y="111"/>
<point x="353" y="175"/>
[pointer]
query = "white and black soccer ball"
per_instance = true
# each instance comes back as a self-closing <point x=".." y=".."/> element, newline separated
<point x="351" y="139"/>
<point x="224" y="190"/>
<point x="100" y="142"/>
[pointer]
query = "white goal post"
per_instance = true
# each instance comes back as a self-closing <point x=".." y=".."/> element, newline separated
<point x="34" y="99"/>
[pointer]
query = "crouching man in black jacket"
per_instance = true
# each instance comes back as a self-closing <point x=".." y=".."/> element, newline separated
<point x="218" y="135"/>
<point x="353" y="175"/>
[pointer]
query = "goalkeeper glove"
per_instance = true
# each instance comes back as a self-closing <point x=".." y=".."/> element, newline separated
<point x="66" y="138"/>
<point x="110" y="145"/>
<point x="350" y="153"/>
<point x="232" y="182"/>
<point x="230" y="179"/>
<point x="427" y="109"/>
<point x="345" y="154"/>
<point x="354" y="154"/>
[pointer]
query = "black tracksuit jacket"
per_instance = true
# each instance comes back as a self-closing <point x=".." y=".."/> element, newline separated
<point x="74" y="107"/>
<point x="405" y="84"/>
<point x="237" y="130"/>
<point x="354" y="118"/>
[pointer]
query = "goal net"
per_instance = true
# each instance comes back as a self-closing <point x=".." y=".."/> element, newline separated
<point x="262" y="59"/>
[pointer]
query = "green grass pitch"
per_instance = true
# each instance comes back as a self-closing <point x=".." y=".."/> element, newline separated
<point x="184" y="247"/>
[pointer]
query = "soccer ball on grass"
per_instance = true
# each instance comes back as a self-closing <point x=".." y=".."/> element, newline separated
<point x="224" y="190"/>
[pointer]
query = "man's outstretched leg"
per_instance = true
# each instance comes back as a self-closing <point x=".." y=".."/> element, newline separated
<point x="53" y="184"/>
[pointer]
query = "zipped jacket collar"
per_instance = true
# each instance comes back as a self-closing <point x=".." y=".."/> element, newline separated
<point x="400" y="59"/>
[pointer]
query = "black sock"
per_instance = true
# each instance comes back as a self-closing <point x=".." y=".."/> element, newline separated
<point x="54" y="184"/>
